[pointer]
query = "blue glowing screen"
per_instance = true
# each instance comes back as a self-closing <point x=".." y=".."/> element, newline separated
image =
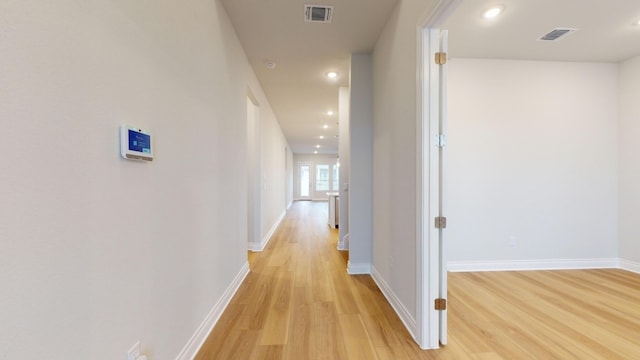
<point x="139" y="142"/>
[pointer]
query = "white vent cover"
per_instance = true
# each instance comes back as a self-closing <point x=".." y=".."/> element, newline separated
<point x="318" y="13"/>
<point x="557" y="34"/>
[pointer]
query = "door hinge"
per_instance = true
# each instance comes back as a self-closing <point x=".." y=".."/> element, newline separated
<point x="441" y="304"/>
<point x="441" y="222"/>
<point x="441" y="58"/>
<point x="440" y="140"/>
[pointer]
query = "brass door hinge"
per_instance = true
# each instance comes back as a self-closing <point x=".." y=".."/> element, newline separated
<point x="441" y="222"/>
<point x="441" y="58"/>
<point x="441" y="304"/>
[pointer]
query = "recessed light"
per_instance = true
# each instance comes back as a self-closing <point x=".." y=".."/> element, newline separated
<point x="270" y="65"/>
<point x="637" y="22"/>
<point x="321" y="136"/>
<point x="332" y="75"/>
<point x="315" y="152"/>
<point x="329" y="112"/>
<point x="493" y="12"/>
<point x="318" y="146"/>
<point x="325" y="126"/>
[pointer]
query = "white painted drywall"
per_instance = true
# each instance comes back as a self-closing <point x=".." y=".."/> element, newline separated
<point x="629" y="133"/>
<point x="394" y="150"/>
<point x="360" y="163"/>
<point x="273" y="169"/>
<point x="343" y="152"/>
<point x="532" y="159"/>
<point x="98" y="252"/>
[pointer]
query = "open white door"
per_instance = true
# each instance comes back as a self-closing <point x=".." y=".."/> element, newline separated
<point x="442" y="120"/>
<point x="432" y="271"/>
<point x="431" y="314"/>
<point x="434" y="219"/>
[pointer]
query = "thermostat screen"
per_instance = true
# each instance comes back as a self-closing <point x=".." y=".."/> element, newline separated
<point x="139" y="142"/>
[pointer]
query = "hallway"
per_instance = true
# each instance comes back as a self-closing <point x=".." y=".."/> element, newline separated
<point x="298" y="302"/>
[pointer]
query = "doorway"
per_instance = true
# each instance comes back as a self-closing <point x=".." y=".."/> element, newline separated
<point x="304" y="180"/>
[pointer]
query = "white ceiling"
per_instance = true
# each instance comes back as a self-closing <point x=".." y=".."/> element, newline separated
<point x="606" y="31"/>
<point x="297" y="89"/>
<point x="300" y="94"/>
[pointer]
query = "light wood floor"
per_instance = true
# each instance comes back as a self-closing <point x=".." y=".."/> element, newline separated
<point x="298" y="302"/>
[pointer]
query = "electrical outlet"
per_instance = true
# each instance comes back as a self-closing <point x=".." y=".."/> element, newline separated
<point x="134" y="352"/>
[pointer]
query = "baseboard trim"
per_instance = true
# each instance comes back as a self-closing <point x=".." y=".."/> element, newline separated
<point x="343" y="244"/>
<point x="402" y="312"/>
<point x="524" y="265"/>
<point x="192" y="347"/>
<point x="263" y="243"/>
<point x="629" y="265"/>
<point x="358" y="268"/>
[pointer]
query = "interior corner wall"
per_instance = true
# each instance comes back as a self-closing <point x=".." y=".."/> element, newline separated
<point x="99" y="252"/>
<point x="360" y="164"/>
<point x="394" y="151"/>
<point x="532" y="160"/>
<point x="629" y="151"/>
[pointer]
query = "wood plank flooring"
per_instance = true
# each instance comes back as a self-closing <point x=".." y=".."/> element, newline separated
<point x="298" y="302"/>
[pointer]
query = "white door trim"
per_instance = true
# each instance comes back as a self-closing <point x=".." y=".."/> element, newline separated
<point x="427" y="239"/>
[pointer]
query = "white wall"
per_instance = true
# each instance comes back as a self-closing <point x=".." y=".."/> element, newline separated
<point x="532" y="161"/>
<point x="343" y="149"/>
<point x="274" y="152"/>
<point x="313" y="160"/>
<point x="394" y="151"/>
<point x="629" y="133"/>
<point x="360" y="164"/>
<point x="99" y="252"/>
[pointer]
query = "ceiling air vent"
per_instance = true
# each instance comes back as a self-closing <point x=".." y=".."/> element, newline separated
<point x="557" y="34"/>
<point x="318" y="13"/>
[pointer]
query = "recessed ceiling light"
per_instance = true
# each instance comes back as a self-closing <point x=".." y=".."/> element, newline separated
<point x="318" y="146"/>
<point x="493" y="12"/>
<point x="637" y="22"/>
<point x="332" y="75"/>
<point x="270" y="65"/>
<point x="315" y="152"/>
<point x="329" y="112"/>
<point x="321" y="136"/>
<point x="325" y="126"/>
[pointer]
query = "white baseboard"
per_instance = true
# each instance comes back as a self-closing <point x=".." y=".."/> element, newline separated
<point x="522" y="265"/>
<point x="358" y="268"/>
<point x="193" y="346"/>
<point x="265" y="240"/>
<point x="629" y="265"/>
<point x="343" y="244"/>
<point x="404" y="315"/>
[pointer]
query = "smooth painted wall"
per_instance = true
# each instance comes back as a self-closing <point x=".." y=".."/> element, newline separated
<point x="343" y="152"/>
<point x="360" y="164"/>
<point x="98" y="252"/>
<point x="629" y="133"/>
<point x="532" y="160"/>
<point x="395" y="82"/>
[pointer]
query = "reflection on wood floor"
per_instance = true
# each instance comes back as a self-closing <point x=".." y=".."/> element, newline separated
<point x="298" y="302"/>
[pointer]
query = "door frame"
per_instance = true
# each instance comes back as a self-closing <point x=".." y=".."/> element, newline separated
<point x="428" y="247"/>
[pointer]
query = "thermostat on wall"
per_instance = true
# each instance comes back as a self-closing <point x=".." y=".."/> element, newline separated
<point x="135" y="144"/>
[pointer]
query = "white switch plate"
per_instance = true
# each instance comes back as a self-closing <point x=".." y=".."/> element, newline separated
<point x="134" y="352"/>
